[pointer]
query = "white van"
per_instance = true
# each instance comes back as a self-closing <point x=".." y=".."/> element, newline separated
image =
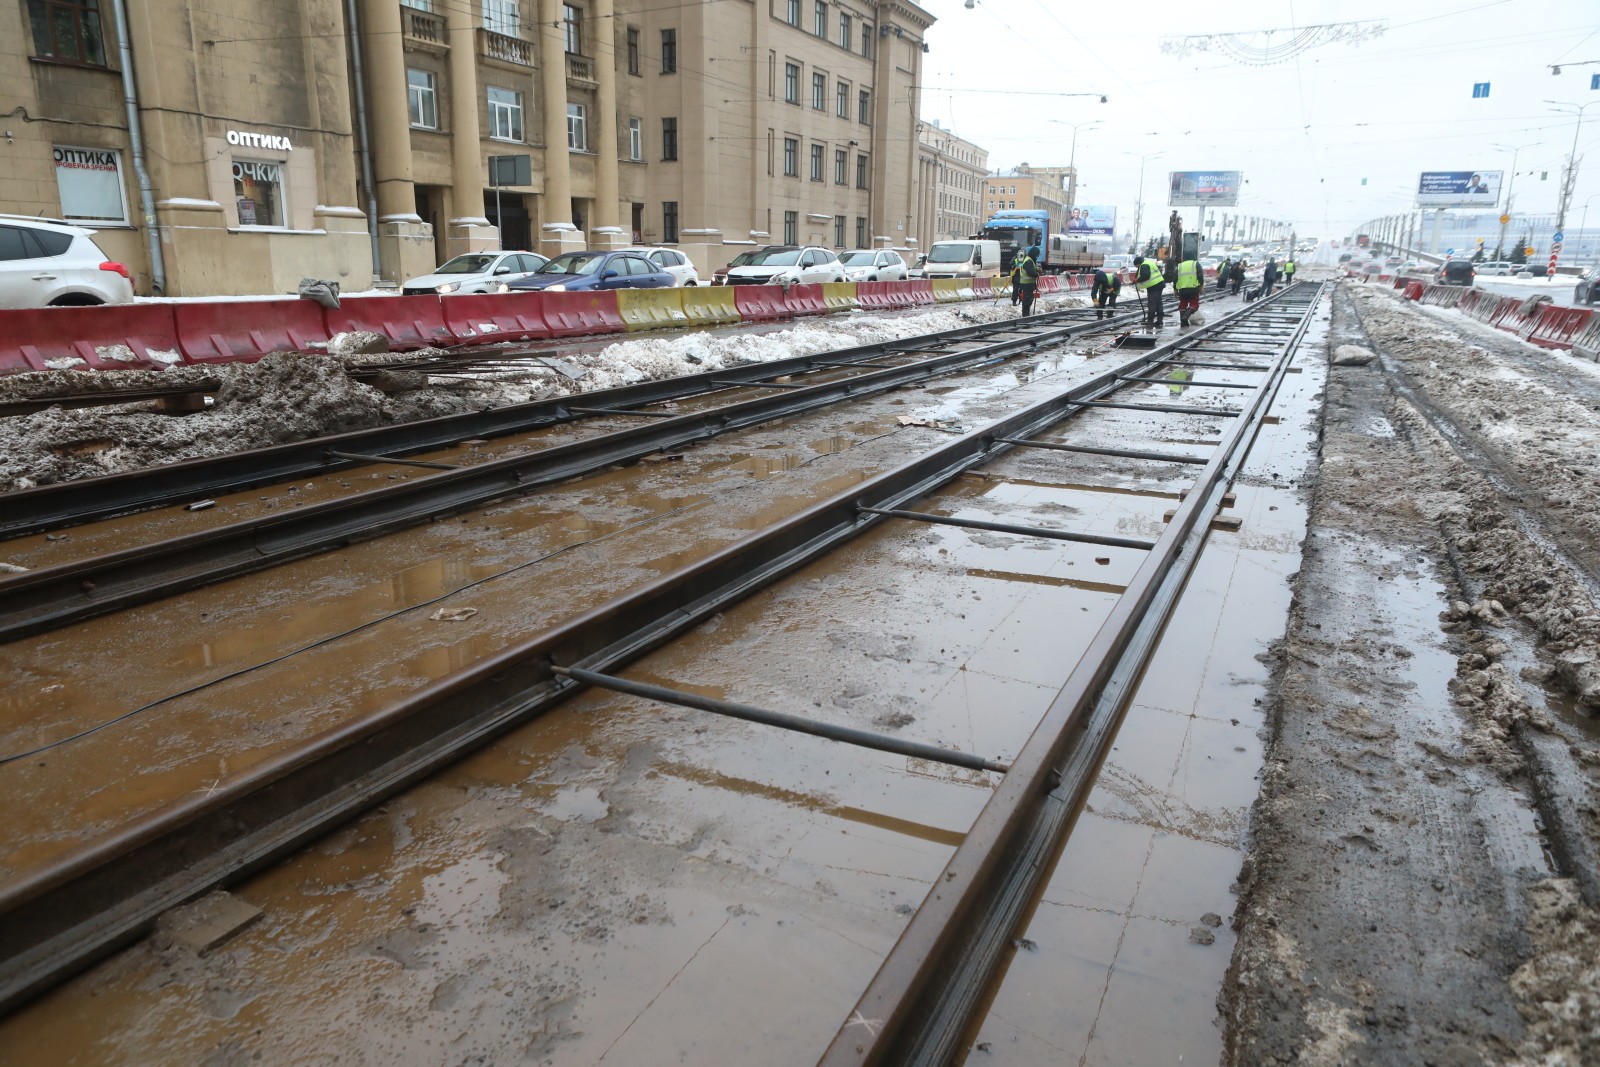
<point x="962" y="259"/>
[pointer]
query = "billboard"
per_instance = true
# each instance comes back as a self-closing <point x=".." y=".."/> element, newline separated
<point x="1205" y="188"/>
<point x="1092" y="221"/>
<point x="1459" y="188"/>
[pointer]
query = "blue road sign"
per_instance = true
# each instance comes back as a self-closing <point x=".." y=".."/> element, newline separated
<point x="1480" y="90"/>
<point x="1558" y="237"/>
<point x="1594" y="81"/>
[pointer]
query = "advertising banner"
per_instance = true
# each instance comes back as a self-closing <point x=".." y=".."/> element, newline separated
<point x="90" y="183"/>
<point x="1205" y="188"/>
<point x="1459" y="188"/>
<point x="1093" y="221"/>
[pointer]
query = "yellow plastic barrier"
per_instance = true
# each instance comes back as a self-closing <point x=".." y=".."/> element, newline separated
<point x="948" y="290"/>
<point x="1000" y="287"/>
<point x="708" y="305"/>
<point x="651" y="309"/>
<point x="840" y="296"/>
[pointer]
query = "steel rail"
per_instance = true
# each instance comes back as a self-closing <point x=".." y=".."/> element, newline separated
<point x="75" y="908"/>
<point x="51" y="597"/>
<point x="926" y="995"/>
<point x="50" y="507"/>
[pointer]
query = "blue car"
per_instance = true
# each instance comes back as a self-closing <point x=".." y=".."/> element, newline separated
<point x="573" y="272"/>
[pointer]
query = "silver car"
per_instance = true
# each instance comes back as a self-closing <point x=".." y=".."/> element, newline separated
<point x="873" y="265"/>
<point x="50" y="263"/>
<point x="475" y="272"/>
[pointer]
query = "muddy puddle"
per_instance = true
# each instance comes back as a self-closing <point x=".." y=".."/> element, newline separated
<point x="626" y="882"/>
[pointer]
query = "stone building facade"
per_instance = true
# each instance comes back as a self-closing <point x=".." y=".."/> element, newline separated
<point x="291" y="140"/>
<point x="1031" y="188"/>
<point x="950" y="173"/>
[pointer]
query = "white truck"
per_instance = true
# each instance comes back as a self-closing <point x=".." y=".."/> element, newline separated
<point x="962" y="259"/>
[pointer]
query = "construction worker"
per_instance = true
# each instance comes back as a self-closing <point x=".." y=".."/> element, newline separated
<point x="1236" y="277"/>
<point x="1288" y="271"/>
<point x="1151" y="281"/>
<point x="1269" y="275"/>
<point x="1189" y="284"/>
<point x="1223" y="272"/>
<point x="1025" y="278"/>
<point x="1104" y="292"/>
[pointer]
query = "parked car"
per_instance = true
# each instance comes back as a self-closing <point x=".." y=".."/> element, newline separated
<point x="1497" y="267"/>
<point x="1587" y="291"/>
<point x="1409" y="266"/>
<point x="1346" y="257"/>
<point x="720" y="277"/>
<point x="475" y="272"/>
<point x="50" y="263"/>
<point x="1392" y="261"/>
<point x="1118" y="261"/>
<point x="787" y="265"/>
<point x="873" y="265"/>
<point x="672" y="261"/>
<point x="1456" y="272"/>
<point x="578" y="271"/>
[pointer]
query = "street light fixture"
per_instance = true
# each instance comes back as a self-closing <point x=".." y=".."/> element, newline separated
<point x="1511" y="189"/>
<point x="1072" y="155"/>
<point x="1569" y="180"/>
<point x="1138" y="212"/>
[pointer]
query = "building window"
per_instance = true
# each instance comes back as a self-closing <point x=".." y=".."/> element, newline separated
<point x="505" y="115"/>
<point x="819" y="91"/>
<point x="866" y="39"/>
<point x="864" y="110"/>
<point x="669" y="221"/>
<point x="841" y="99"/>
<point x="669" y="51"/>
<point x="819" y="18"/>
<point x="669" y="139"/>
<point x="845" y="24"/>
<point x="635" y="139"/>
<point x="577" y="127"/>
<point x="838" y="231"/>
<point x="419" y="5"/>
<point x="861" y="232"/>
<point x="633" y="50"/>
<point x="572" y="29"/>
<point x="791" y="166"/>
<point x="791" y="227"/>
<point x="816" y="163"/>
<point x="423" y="96"/>
<point x="793" y="13"/>
<point x="841" y="167"/>
<point x="89" y="182"/>
<point x="861" y="172"/>
<point x="791" y="83"/>
<point x="68" y="29"/>
<point x="258" y="192"/>
<point x="502" y="16"/>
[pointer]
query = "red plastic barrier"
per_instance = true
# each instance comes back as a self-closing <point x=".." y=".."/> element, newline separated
<point x="1051" y="283"/>
<point x="919" y="291"/>
<point x="481" y="320"/>
<point x="874" y="295"/>
<point x="573" y="314"/>
<point x="245" y="330"/>
<point x="763" y="303"/>
<point x="407" y="321"/>
<point x="1509" y="315"/>
<point x="980" y="287"/>
<point x="804" y="300"/>
<point x="80" y="338"/>
<point x="1413" y="291"/>
<point x="1557" y="327"/>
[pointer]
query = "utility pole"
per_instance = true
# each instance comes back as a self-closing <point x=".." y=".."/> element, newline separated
<point x="1569" y="178"/>
<point x="1511" y="195"/>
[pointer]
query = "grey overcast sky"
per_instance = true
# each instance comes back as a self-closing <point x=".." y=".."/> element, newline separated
<point x="1305" y="131"/>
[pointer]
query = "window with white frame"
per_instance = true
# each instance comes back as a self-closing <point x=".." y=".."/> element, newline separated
<point x="89" y="181"/>
<point x="635" y="138"/>
<point x="419" y="5"/>
<point x="423" y="97"/>
<point x="505" y="114"/>
<point x="577" y="127"/>
<point x="502" y="16"/>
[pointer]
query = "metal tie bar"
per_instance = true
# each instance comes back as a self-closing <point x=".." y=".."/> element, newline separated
<point x="1184" y="382"/>
<point x="761" y="385"/>
<point x="361" y="458"/>
<point x="784" y="720"/>
<point x="1216" y="366"/>
<point x="1005" y="527"/>
<point x="835" y="363"/>
<point x="623" y="411"/>
<point x="1124" y="453"/>
<point x="1176" y="409"/>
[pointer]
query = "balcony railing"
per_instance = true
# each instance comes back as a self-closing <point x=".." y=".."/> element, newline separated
<point x="421" y="26"/>
<point x="493" y="45"/>
<point x="580" y="68"/>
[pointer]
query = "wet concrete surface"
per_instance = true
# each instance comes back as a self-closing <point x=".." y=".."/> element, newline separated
<point x="621" y="882"/>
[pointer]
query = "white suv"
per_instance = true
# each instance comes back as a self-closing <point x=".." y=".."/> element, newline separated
<point x="873" y="265"/>
<point x="49" y="263"/>
<point x="475" y="272"/>
<point x="672" y="261"/>
<point x="787" y="265"/>
<point x="1497" y="267"/>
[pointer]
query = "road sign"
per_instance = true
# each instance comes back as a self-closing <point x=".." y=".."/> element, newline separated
<point x="1528" y="251"/>
<point x="1558" y="237"/>
<point x="1504" y="219"/>
<point x="1480" y="90"/>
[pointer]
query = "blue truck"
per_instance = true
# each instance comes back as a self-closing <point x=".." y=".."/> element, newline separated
<point x="1060" y="253"/>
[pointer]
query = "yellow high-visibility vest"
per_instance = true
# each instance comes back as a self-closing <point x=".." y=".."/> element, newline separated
<point x="1188" y="275"/>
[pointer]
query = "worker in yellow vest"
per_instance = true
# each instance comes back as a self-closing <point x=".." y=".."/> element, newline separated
<point x="1151" y="282"/>
<point x="1288" y="271"/>
<point x="1189" y="284"/>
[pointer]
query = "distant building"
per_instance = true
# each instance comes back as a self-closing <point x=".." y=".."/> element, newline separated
<point x="1032" y="188"/>
<point x="950" y="173"/>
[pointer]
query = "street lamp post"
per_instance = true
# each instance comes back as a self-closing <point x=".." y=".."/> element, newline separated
<point x="1138" y="211"/>
<point x="1511" y="193"/>
<point x="1569" y="180"/>
<point x="1584" y="224"/>
<point x="1072" y="156"/>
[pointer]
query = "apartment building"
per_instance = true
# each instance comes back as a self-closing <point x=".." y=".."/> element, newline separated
<point x="292" y="140"/>
<point x="1031" y="188"/>
<point x="950" y="174"/>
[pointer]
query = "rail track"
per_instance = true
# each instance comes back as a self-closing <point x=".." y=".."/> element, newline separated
<point x="62" y="914"/>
